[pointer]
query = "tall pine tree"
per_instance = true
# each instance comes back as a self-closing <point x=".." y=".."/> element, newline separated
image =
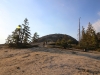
<point x="20" y="36"/>
<point x="26" y="35"/>
<point x="89" y="39"/>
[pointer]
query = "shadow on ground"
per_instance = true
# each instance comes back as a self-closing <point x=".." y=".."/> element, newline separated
<point x="65" y="51"/>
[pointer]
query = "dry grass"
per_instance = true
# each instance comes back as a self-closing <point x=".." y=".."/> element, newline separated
<point x="48" y="61"/>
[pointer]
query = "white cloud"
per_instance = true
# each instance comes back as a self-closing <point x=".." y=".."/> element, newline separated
<point x="96" y="25"/>
<point x="99" y="13"/>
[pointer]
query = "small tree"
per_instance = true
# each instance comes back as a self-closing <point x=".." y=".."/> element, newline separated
<point x="8" y="40"/>
<point x="64" y="43"/>
<point x="35" y="37"/>
<point x="83" y="42"/>
<point x="69" y="42"/>
<point x="20" y="36"/>
<point x="26" y="35"/>
<point x="58" y="42"/>
<point x="91" y="36"/>
<point x="89" y="39"/>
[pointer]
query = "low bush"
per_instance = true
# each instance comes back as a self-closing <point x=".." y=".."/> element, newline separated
<point x="98" y="49"/>
<point x="78" y="47"/>
<point x="20" y="45"/>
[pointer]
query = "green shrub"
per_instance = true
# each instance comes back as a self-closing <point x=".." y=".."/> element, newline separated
<point x="58" y="42"/>
<point x="64" y="43"/>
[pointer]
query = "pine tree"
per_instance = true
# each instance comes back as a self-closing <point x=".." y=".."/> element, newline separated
<point x="83" y="38"/>
<point x="8" y="40"/>
<point x="20" y="36"/>
<point x="89" y="39"/>
<point x="58" y="42"/>
<point x="69" y="42"/>
<point x="64" y="43"/>
<point x="91" y="36"/>
<point x="26" y="35"/>
<point x="17" y="36"/>
<point x="35" y="37"/>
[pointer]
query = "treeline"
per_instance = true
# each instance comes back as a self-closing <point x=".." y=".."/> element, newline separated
<point x="89" y="38"/>
<point x="21" y="36"/>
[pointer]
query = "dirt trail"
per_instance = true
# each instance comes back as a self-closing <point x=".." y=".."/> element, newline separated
<point x="48" y="61"/>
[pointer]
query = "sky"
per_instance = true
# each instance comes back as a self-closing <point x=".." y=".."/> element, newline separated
<point x="48" y="16"/>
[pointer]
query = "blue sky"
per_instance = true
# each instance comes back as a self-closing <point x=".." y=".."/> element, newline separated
<point x="48" y="16"/>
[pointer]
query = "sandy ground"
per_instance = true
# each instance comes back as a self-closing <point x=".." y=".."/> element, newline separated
<point x="48" y="61"/>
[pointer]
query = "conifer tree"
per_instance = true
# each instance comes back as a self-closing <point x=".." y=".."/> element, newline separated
<point x="91" y="36"/>
<point x="8" y="40"/>
<point x="64" y="43"/>
<point x="89" y="39"/>
<point x="83" y="38"/>
<point x="20" y="36"/>
<point x="26" y="35"/>
<point x="35" y="37"/>
<point x="58" y="42"/>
